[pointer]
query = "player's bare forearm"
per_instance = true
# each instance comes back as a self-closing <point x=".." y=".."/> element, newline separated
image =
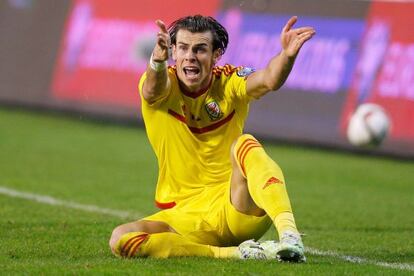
<point x="272" y="77"/>
<point x="157" y="82"/>
<point x="277" y="71"/>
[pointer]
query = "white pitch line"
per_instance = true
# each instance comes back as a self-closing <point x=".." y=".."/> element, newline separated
<point x="68" y="204"/>
<point x="123" y="214"/>
<point x="359" y="260"/>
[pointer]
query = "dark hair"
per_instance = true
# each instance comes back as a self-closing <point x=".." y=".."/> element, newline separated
<point x="198" y="24"/>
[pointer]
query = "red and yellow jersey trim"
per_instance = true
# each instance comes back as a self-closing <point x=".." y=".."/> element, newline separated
<point x="227" y="70"/>
<point x="201" y="130"/>
<point x="165" y="205"/>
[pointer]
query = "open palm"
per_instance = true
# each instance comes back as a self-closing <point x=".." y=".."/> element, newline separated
<point x="293" y="39"/>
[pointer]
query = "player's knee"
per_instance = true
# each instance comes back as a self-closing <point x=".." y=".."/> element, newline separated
<point x="121" y="233"/>
<point x="115" y="237"/>
<point x="240" y="147"/>
<point x="237" y="143"/>
<point x="123" y="229"/>
<point x="242" y="140"/>
<point x="127" y="244"/>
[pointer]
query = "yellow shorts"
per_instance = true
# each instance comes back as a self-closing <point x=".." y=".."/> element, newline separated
<point x="210" y="218"/>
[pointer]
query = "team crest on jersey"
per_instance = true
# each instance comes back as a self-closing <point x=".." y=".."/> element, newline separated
<point x="213" y="110"/>
<point x="245" y="71"/>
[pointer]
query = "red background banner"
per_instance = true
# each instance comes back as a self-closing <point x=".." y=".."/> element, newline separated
<point x="105" y="47"/>
<point x="385" y="73"/>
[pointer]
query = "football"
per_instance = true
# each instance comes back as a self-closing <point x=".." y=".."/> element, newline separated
<point x="368" y="126"/>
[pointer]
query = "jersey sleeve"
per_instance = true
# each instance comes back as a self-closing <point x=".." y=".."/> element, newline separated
<point x="141" y="84"/>
<point x="238" y="80"/>
<point x="158" y="101"/>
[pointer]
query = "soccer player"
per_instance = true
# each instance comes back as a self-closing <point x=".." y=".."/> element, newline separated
<point x="218" y="187"/>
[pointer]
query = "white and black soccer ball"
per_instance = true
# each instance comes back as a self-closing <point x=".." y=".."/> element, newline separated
<point x="368" y="126"/>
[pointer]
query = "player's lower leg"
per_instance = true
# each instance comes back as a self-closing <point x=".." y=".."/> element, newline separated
<point x="267" y="188"/>
<point x="168" y="244"/>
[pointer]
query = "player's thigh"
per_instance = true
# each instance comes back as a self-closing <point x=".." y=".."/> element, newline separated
<point x="147" y="226"/>
<point x="180" y="221"/>
<point x="242" y="226"/>
<point x="138" y="226"/>
<point x="192" y="220"/>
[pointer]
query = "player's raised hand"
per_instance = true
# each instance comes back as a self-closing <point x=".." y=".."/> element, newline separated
<point x="160" y="52"/>
<point x="293" y="39"/>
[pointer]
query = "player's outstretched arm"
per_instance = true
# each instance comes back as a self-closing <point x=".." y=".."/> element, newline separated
<point x="275" y="74"/>
<point x="157" y="82"/>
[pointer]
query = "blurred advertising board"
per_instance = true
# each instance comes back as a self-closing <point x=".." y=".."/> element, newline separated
<point x="106" y="46"/>
<point x="91" y="60"/>
<point x="385" y="71"/>
<point x="308" y="105"/>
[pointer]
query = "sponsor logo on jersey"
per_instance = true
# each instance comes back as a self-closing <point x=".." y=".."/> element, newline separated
<point x="245" y="71"/>
<point x="213" y="110"/>
<point x="272" y="180"/>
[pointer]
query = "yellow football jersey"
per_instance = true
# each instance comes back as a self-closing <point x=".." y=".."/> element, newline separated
<point x="191" y="133"/>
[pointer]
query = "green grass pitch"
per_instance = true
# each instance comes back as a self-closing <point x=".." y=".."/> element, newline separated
<point x="348" y="205"/>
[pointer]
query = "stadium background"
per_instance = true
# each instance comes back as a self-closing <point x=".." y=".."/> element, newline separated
<point x="85" y="56"/>
<point x="75" y="161"/>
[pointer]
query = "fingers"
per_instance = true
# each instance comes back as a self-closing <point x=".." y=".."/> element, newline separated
<point x="302" y="38"/>
<point x="306" y="35"/>
<point x="162" y="42"/>
<point x="163" y="37"/>
<point x="289" y="24"/>
<point x="160" y="51"/>
<point x="292" y="40"/>
<point x="303" y="30"/>
<point x="161" y="25"/>
<point x="298" y="31"/>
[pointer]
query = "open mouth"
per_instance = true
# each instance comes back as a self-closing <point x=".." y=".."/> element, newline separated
<point x="191" y="71"/>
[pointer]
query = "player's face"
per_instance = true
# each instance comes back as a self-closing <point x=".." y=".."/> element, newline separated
<point x="194" y="57"/>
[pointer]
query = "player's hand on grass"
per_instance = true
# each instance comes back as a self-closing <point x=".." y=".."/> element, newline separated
<point x="293" y="39"/>
<point x="160" y="52"/>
